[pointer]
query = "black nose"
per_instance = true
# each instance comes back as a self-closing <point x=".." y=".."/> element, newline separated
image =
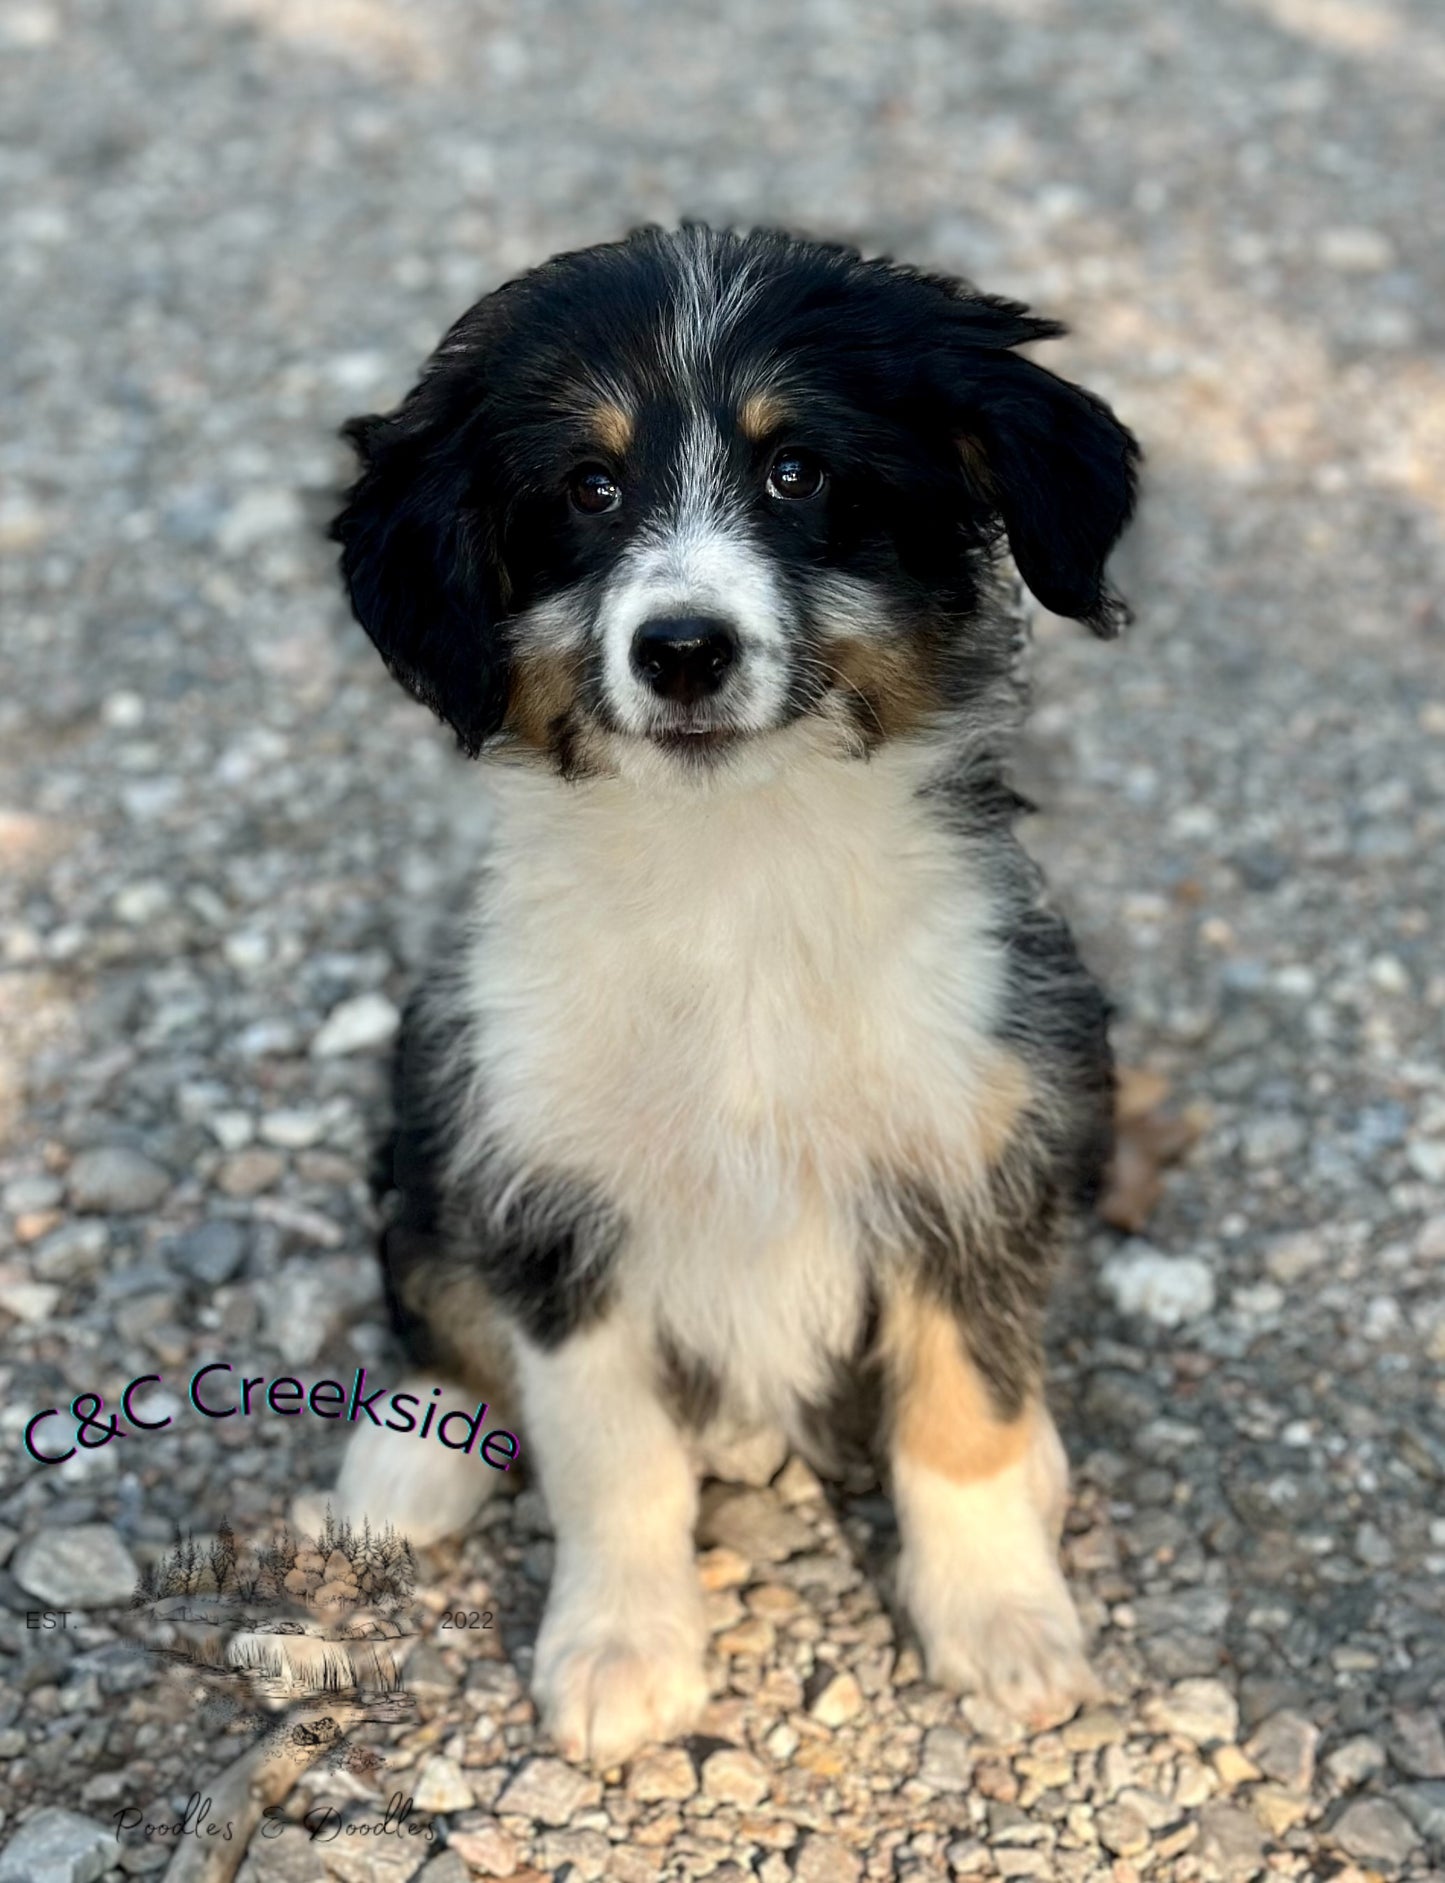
<point x="684" y="657"/>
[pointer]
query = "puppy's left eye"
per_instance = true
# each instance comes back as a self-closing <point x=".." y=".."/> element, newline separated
<point x="795" y="475"/>
<point x="593" y="490"/>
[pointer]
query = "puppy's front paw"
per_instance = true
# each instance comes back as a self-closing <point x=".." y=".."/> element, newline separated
<point x="1026" y="1653"/>
<point x="980" y="1576"/>
<point x="609" y="1683"/>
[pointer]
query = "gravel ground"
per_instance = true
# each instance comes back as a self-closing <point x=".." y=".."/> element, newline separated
<point x="229" y="224"/>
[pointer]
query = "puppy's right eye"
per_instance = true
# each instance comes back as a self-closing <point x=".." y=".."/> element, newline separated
<point x="593" y="490"/>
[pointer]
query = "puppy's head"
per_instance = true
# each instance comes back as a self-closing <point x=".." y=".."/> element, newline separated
<point x="679" y="498"/>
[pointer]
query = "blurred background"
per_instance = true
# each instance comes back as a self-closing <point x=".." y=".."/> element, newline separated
<point x="230" y="224"/>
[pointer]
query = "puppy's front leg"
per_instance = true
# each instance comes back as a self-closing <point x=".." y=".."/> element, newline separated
<point x="980" y="1501"/>
<point x="619" y="1656"/>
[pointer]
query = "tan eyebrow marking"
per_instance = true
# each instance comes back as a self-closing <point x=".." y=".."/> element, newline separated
<point x="761" y="413"/>
<point x="611" y="427"/>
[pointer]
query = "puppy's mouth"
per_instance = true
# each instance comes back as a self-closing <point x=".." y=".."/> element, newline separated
<point x="694" y="742"/>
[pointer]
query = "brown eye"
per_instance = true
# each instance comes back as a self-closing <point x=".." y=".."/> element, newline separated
<point x="594" y="490"/>
<point x="796" y="475"/>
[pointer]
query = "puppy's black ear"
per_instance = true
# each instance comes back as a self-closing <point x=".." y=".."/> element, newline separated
<point x="420" y="563"/>
<point x="1056" y="466"/>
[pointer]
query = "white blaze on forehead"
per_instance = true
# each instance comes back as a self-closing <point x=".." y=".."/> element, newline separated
<point x="698" y="556"/>
<point x="706" y="305"/>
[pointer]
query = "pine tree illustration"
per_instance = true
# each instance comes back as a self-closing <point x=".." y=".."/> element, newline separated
<point x="221" y="1556"/>
<point x="171" y="1576"/>
<point x="406" y="1572"/>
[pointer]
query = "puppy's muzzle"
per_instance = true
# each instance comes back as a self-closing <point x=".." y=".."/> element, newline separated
<point x="684" y="658"/>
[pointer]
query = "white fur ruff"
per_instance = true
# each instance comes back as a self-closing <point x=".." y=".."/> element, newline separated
<point x="732" y="1010"/>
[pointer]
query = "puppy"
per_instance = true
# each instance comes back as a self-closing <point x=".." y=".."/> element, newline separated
<point x="762" y="1083"/>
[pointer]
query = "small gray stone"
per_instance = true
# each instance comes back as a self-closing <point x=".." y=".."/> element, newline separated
<point x="1016" y="1860"/>
<point x="1372" y="1830"/>
<point x="1165" y="1289"/>
<point x="487" y="1848"/>
<point x="307" y="1300"/>
<point x="441" y="1786"/>
<point x="947" y="1761"/>
<point x="666" y="1773"/>
<point x="82" y="1567"/>
<point x="837" y="1700"/>
<point x="1355" y="250"/>
<point x="57" y="1846"/>
<point x="1122" y="1831"/>
<point x="293" y="1128"/>
<point x="1424" y="1804"/>
<point x="1356" y="1760"/>
<point x="1204" y="1712"/>
<point x="1426" y="1157"/>
<point x="143" y="1859"/>
<point x="1197" y="1611"/>
<point x="447" y="1868"/>
<point x="357" y="1025"/>
<point x="232" y="1129"/>
<point x="965" y="1855"/>
<point x="757" y="1526"/>
<point x="288" y="1858"/>
<point x="588" y="1852"/>
<point x="139" y="904"/>
<point x="29" y="1301"/>
<point x="256" y="516"/>
<point x="1417" y="1744"/>
<point x="25" y="1194"/>
<point x="1093" y="1730"/>
<point x="1231" y="1840"/>
<point x="1290" y="1258"/>
<point x="736" y="1777"/>
<point x="1272" y="1139"/>
<point x="375" y="1859"/>
<point x="548" y="1791"/>
<point x="1120" y="1400"/>
<point x="114" y="1180"/>
<point x="211" y="1253"/>
<point x="120" y="1666"/>
<point x="73" y="1250"/>
<point x="1373" y="1547"/>
<point x="1284" y="1749"/>
<point x="826" y="1860"/>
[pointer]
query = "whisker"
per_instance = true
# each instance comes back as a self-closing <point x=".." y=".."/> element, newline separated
<point x="841" y="679"/>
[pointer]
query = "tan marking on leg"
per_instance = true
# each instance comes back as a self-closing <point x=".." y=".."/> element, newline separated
<point x="543" y="689"/>
<point x="611" y="426"/>
<point x="980" y="1504"/>
<point x="467" y="1328"/>
<point x="467" y="1324"/>
<point x="759" y="414"/>
<point x="944" y="1415"/>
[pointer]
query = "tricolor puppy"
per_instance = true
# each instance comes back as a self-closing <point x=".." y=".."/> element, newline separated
<point x="763" y="1080"/>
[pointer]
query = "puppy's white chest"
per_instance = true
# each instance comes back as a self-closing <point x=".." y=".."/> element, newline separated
<point x="732" y="1015"/>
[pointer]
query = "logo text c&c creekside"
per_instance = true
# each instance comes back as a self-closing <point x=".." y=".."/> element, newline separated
<point x="217" y="1391"/>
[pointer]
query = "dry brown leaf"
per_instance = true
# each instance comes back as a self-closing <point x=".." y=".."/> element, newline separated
<point x="1149" y="1136"/>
